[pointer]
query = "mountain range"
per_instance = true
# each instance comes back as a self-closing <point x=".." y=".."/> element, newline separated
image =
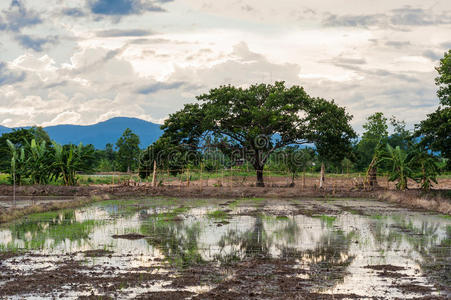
<point x="101" y="133"/>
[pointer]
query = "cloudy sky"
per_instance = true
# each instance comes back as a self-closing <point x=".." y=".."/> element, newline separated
<point x="85" y="61"/>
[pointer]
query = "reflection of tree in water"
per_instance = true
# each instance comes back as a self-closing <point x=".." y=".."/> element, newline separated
<point x="52" y="228"/>
<point x="436" y="262"/>
<point x="329" y="261"/>
<point x="423" y="241"/>
<point x="177" y="241"/>
<point x="254" y="242"/>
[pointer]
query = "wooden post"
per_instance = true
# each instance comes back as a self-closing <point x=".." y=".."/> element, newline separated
<point x="321" y="179"/>
<point x="181" y="180"/>
<point x="200" y="178"/>
<point x="187" y="179"/>
<point x="154" y="183"/>
<point x="303" y="180"/>
<point x="14" y="187"/>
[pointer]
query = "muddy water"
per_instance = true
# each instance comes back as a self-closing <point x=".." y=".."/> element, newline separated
<point x="126" y="249"/>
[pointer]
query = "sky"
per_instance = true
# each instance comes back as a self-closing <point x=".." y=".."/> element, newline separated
<point x="86" y="61"/>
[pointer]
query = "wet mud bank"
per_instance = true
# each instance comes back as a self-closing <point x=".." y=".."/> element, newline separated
<point x="437" y="200"/>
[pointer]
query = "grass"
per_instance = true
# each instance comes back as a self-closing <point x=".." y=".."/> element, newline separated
<point x="329" y="220"/>
<point x="171" y="215"/>
<point x="217" y="214"/>
<point x="195" y="174"/>
<point x="47" y="210"/>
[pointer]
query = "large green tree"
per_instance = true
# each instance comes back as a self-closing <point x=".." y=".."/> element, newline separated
<point x="128" y="151"/>
<point x="435" y="131"/>
<point x="258" y="120"/>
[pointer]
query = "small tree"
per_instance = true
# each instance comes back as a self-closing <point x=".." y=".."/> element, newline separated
<point x="128" y="151"/>
<point x="297" y="160"/>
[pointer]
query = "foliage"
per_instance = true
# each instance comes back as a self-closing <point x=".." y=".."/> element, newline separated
<point x="128" y="151"/>
<point x="168" y="156"/>
<point x="18" y="137"/>
<point x="68" y="160"/>
<point x="443" y="81"/>
<point x="376" y="133"/>
<point x="435" y="131"/>
<point x="17" y="165"/>
<point x="297" y="160"/>
<point x="252" y="123"/>
<point x="401" y="136"/>
<point x="37" y="162"/>
<point x="426" y="168"/>
<point x="398" y="161"/>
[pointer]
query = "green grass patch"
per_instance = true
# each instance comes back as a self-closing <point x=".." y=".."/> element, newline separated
<point x="329" y="220"/>
<point x="217" y="214"/>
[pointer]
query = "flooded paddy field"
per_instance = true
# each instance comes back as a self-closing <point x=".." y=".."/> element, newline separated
<point x="166" y="248"/>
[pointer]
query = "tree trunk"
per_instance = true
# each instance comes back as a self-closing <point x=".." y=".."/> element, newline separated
<point x="321" y="179"/>
<point x="292" y="179"/>
<point x="371" y="175"/>
<point x="260" y="182"/>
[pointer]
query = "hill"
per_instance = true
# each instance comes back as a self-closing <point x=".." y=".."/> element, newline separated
<point x="102" y="133"/>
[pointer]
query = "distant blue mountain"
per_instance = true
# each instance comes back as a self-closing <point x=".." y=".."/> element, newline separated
<point x="4" y="129"/>
<point x="102" y="133"/>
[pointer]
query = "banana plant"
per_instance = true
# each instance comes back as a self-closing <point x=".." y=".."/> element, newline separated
<point x="426" y="168"/>
<point x="68" y="160"/>
<point x="17" y="162"/>
<point x="400" y="164"/>
<point x="38" y="162"/>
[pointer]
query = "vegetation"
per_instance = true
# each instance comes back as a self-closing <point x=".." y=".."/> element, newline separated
<point x="232" y="131"/>
<point x="251" y="124"/>
<point x="128" y="151"/>
<point x="435" y="131"/>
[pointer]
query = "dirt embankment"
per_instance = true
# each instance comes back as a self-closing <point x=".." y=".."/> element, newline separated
<point x="437" y="201"/>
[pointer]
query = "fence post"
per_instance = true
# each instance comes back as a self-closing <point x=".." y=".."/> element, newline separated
<point x="303" y="180"/>
<point x="14" y="187"/>
<point x="154" y="173"/>
<point x="200" y="178"/>
<point x="181" y="179"/>
<point x="187" y="179"/>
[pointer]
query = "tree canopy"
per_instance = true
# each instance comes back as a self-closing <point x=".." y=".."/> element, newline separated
<point x="376" y="133"/>
<point x="435" y="131"/>
<point x="253" y="122"/>
<point x="128" y="150"/>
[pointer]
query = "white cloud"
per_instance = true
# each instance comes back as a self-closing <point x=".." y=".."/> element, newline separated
<point x="150" y="64"/>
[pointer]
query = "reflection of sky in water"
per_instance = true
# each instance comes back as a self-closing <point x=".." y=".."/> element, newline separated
<point x="352" y="240"/>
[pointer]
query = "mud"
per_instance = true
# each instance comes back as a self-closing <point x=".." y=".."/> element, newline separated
<point x="236" y="249"/>
<point x="129" y="236"/>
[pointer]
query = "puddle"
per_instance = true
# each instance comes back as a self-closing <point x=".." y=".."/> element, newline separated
<point x="205" y="249"/>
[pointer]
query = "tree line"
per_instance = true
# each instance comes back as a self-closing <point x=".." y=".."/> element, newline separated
<point x="264" y="126"/>
<point x="29" y="156"/>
